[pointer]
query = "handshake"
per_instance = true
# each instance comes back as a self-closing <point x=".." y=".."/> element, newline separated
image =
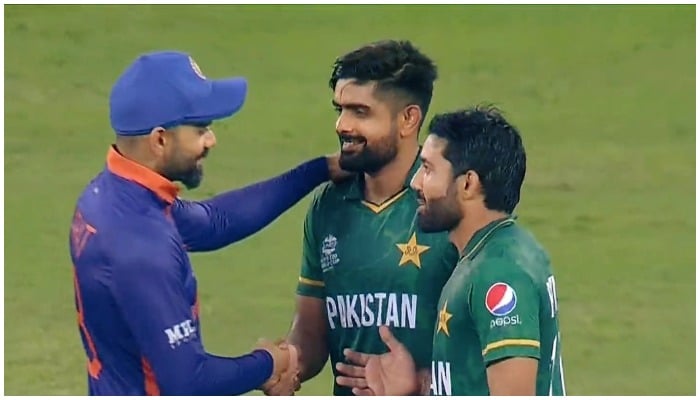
<point x="284" y="380"/>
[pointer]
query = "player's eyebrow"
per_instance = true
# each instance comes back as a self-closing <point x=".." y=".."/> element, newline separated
<point x="425" y="161"/>
<point x="350" y="105"/>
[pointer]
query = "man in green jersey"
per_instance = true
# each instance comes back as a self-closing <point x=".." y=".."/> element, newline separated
<point x="497" y="329"/>
<point x="365" y="263"/>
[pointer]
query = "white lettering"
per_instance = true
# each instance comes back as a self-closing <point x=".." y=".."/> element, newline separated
<point x="381" y="297"/>
<point x="352" y="315"/>
<point x="552" y="291"/>
<point x="392" y="312"/>
<point x="181" y="332"/>
<point x="506" y="321"/>
<point x="331" y="311"/>
<point x="441" y="383"/>
<point x="367" y="313"/>
<point x="363" y="310"/>
<point x="341" y="312"/>
<point x="409" y="307"/>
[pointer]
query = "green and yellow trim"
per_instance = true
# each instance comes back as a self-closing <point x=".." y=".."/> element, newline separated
<point x="311" y="282"/>
<point x="381" y="207"/>
<point x="510" y="342"/>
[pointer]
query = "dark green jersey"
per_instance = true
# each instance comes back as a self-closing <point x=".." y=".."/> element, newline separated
<point x="500" y="302"/>
<point x="372" y="266"/>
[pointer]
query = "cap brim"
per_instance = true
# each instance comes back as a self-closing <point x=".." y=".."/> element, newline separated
<point x="225" y="98"/>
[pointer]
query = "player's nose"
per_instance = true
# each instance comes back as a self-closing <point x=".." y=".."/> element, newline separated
<point x="342" y="125"/>
<point x="416" y="181"/>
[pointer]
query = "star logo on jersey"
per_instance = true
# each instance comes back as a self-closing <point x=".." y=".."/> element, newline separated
<point x="501" y="299"/>
<point x="411" y="251"/>
<point x="443" y="319"/>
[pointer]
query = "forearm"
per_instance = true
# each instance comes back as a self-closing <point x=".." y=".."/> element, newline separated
<point x="214" y="376"/>
<point x="237" y="214"/>
<point x="313" y="354"/>
<point x="424" y="379"/>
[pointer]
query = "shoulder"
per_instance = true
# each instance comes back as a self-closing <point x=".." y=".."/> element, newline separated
<point x="513" y="251"/>
<point x="332" y="191"/>
<point x="328" y="196"/>
<point x="139" y="243"/>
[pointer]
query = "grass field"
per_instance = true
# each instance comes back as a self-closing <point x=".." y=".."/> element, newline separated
<point x="604" y="96"/>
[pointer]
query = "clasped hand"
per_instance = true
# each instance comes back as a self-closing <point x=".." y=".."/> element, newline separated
<point x="284" y="380"/>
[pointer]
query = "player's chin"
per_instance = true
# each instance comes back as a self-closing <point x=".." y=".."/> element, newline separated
<point x="425" y="223"/>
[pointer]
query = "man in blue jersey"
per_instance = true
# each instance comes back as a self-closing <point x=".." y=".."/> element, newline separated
<point x="135" y="290"/>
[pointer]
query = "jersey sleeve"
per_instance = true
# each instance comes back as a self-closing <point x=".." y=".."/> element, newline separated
<point x="234" y="215"/>
<point x="505" y="306"/>
<point x="147" y="284"/>
<point x="311" y="276"/>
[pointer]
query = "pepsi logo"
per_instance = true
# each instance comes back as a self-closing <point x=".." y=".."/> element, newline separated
<point x="501" y="299"/>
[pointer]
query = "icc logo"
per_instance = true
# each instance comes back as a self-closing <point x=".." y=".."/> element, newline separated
<point x="329" y="258"/>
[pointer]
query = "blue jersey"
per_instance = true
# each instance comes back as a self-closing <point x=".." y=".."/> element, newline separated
<point x="135" y="290"/>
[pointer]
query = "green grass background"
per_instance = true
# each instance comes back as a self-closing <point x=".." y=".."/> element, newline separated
<point x="604" y="96"/>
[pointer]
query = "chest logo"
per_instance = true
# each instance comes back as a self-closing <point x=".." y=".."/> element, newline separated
<point x="411" y="251"/>
<point x="501" y="299"/>
<point x="329" y="258"/>
<point x="443" y="319"/>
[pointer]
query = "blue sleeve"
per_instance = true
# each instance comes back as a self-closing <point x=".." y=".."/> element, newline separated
<point x="234" y="215"/>
<point x="148" y="286"/>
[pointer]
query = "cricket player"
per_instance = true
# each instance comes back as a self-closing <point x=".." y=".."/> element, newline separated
<point x="497" y="329"/>
<point x="365" y="263"/>
<point x="135" y="289"/>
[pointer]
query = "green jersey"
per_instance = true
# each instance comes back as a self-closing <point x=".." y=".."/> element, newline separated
<point x="500" y="302"/>
<point x="372" y="266"/>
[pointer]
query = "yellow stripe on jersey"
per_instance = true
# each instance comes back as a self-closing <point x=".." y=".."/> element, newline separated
<point x="311" y="282"/>
<point x="510" y="342"/>
<point x="379" y="208"/>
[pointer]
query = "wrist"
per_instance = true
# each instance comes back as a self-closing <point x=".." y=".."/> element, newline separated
<point x="423" y="380"/>
<point x="267" y="362"/>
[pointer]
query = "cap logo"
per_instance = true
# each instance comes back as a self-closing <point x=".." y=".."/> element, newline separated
<point x="196" y="69"/>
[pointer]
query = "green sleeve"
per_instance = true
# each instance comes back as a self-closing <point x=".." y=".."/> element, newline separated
<point x="311" y="276"/>
<point x="505" y="306"/>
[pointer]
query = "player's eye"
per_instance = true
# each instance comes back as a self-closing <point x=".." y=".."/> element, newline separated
<point x="361" y="112"/>
<point x="338" y="109"/>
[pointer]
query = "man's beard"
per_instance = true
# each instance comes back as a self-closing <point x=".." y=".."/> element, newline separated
<point x="370" y="159"/>
<point x="187" y="171"/>
<point x="191" y="177"/>
<point x="439" y="215"/>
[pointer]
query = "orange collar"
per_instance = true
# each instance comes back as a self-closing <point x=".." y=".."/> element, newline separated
<point x="127" y="169"/>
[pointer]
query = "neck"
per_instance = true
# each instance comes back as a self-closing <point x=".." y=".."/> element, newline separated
<point x="135" y="153"/>
<point x="388" y="181"/>
<point x="467" y="227"/>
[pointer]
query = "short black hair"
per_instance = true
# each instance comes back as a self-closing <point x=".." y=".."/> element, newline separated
<point x="396" y="66"/>
<point x="480" y="139"/>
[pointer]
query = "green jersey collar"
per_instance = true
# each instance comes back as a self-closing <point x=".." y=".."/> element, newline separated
<point x="482" y="235"/>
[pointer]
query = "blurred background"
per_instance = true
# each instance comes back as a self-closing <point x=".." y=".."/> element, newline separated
<point x="603" y="95"/>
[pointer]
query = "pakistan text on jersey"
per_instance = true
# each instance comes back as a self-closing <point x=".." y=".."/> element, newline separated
<point x="372" y="309"/>
<point x="441" y="383"/>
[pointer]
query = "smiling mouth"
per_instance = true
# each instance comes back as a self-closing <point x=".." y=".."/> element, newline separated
<point x="351" y="144"/>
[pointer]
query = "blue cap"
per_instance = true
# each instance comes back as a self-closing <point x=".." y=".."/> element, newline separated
<point x="167" y="89"/>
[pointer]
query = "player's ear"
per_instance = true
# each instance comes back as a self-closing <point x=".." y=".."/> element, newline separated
<point x="157" y="140"/>
<point x="470" y="186"/>
<point x="409" y="120"/>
